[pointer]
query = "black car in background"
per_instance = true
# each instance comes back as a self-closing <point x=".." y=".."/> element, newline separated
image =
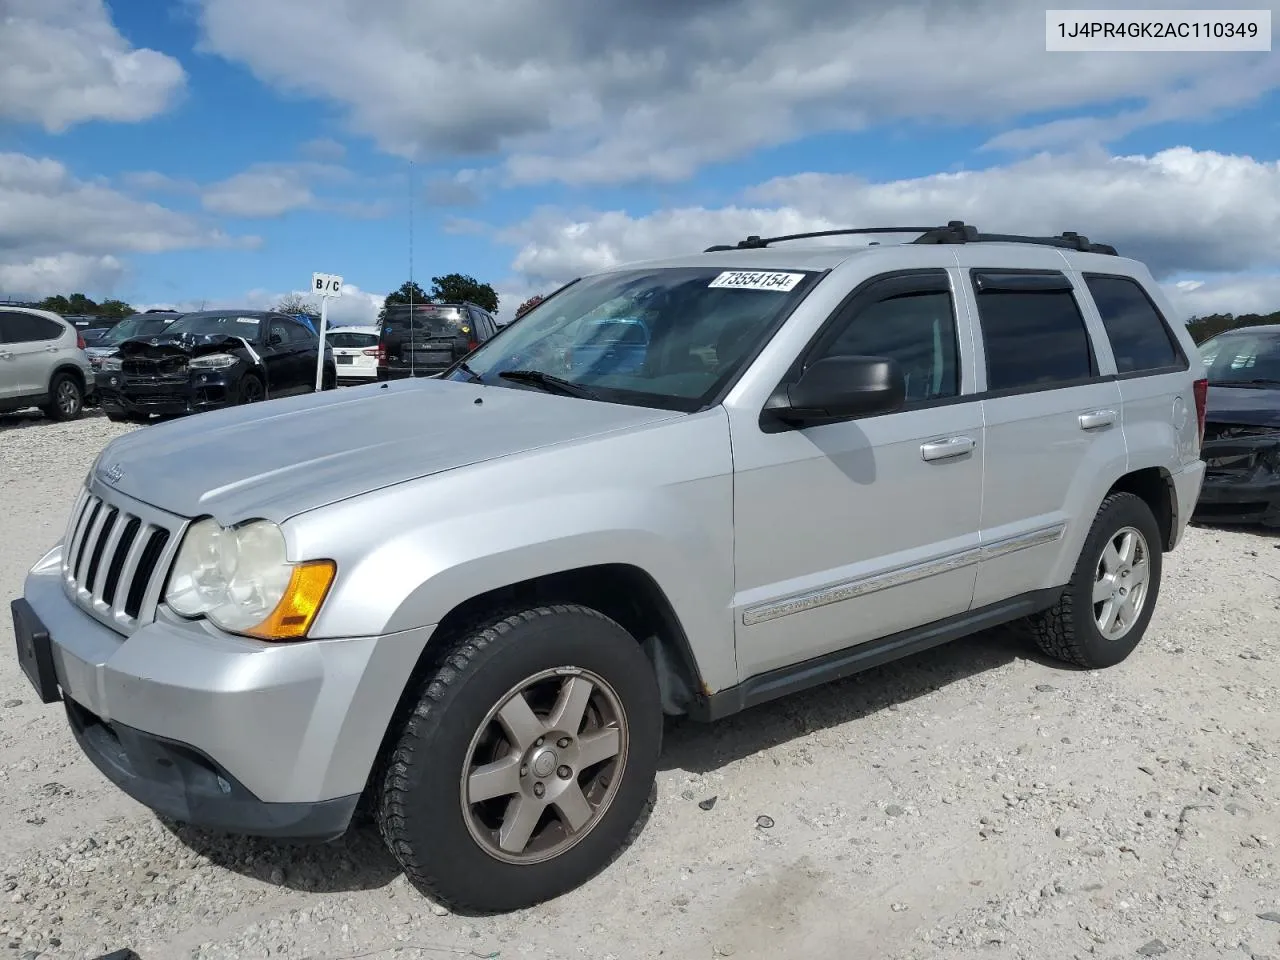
<point x="1241" y="446"/>
<point x="211" y="359"/>
<point x="425" y="340"/>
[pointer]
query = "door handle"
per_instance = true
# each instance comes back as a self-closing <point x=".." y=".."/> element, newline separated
<point x="946" y="449"/>
<point x="51" y="349"/>
<point x="1097" y="419"/>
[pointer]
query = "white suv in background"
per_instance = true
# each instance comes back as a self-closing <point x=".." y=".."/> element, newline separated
<point x="42" y="364"/>
<point x="355" y="351"/>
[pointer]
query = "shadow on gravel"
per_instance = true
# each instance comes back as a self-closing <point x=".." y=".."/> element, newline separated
<point x="357" y="861"/>
<point x="702" y="748"/>
<point x="34" y="418"/>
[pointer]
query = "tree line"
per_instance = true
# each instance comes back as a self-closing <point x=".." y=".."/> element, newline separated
<point x="1202" y="328"/>
<point x="77" y="304"/>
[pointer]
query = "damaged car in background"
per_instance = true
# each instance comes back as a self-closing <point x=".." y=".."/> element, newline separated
<point x="1242" y="428"/>
<point x="211" y="359"/>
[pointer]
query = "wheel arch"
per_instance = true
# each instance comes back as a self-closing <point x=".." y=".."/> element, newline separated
<point x="623" y="592"/>
<point x="1154" y="486"/>
<point x="72" y="370"/>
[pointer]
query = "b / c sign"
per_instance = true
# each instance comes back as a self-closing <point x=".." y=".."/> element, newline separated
<point x="326" y="284"/>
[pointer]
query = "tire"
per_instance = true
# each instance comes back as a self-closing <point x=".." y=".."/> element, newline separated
<point x="449" y="847"/>
<point x="329" y="380"/>
<point x="251" y="389"/>
<point x="66" y="398"/>
<point x="1070" y="630"/>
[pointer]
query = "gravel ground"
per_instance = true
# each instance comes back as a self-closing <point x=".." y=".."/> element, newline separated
<point x="975" y="801"/>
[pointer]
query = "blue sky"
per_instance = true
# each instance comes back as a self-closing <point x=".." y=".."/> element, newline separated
<point x="219" y="151"/>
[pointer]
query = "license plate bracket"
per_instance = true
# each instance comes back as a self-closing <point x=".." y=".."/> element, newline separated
<point x="35" y="651"/>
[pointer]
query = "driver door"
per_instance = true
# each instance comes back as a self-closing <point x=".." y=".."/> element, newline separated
<point x="849" y="532"/>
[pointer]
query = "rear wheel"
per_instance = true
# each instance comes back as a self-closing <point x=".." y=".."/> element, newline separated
<point x="526" y="763"/>
<point x="66" y="398"/>
<point x="1104" y="610"/>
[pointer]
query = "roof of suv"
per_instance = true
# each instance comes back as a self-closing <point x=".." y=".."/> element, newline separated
<point x="833" y="247"/>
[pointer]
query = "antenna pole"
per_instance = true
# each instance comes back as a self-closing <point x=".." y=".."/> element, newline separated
<point x="413" y="349"/>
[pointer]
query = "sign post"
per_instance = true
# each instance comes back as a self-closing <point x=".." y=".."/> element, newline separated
<point x="329" y="286"/>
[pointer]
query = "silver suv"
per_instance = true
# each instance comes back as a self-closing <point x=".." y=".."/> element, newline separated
<point x="688" y="486"/>
<point x="42" y="364"/>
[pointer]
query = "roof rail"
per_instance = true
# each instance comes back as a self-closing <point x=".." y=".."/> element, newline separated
<point x="956" y="231"/>
<point x="758" y="243"/>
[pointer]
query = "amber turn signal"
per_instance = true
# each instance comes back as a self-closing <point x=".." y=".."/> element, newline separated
<point x="297" y="609"/>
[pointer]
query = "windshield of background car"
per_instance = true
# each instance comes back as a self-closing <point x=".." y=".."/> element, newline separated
<point x="670" y="338"/>
<point x="428" y="320"/>
<point x="1241" y="357"/>
<point x="218" y="324"/>
<point x="137" y="326"/>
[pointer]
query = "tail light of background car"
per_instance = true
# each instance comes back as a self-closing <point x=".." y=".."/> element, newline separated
<point x="1201" y="390"/>
<point x="472" y="344"/>
<point x="80" y="344"/>
<point x="381" y="353"/>
<point x="373" y="352"/>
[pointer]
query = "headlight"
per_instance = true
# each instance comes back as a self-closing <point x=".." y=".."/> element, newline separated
<point x="239" y="579"/>
<point x="213" y="361"/>
<point x="110" y="363"/>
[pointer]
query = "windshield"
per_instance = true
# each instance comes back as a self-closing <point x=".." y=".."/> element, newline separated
<point x="669" y="338"/>
<point x="1239" y="358"/>
<point x="139" y="325"/>
<point x="218" y="324"/>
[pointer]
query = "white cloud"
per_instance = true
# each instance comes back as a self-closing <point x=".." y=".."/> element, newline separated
<point x="355" y="306"/>
<point x="268" y="190"/>
<point x="62" y="272"/>
<point x="57" y="231"/>
<point x="323" y="148"/>
<point x="582" y="94"/>
<point x="1179" y="210"/>
<point x="63" y="62"/>
<point x="258" y="193"/>
<point x="1229" y="293"/>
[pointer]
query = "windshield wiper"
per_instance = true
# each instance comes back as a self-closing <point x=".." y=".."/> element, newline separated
<point x="549" y="383"/>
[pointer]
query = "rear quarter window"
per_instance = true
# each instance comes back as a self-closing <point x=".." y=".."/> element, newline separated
<point x="1140" y="336"/>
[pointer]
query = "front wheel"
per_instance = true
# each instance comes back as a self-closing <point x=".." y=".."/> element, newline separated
<point x="527" y="762"/>
<point x="251" y="389"/>
<point x="1105" y="608"/>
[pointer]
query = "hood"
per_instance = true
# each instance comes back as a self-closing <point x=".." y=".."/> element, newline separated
<point x="179" y="344"/>
<point x="1253" y="406"/>
<point x="287" y="456"/>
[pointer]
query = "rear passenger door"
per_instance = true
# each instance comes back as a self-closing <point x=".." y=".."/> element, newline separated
<point x="1053" y="428"/>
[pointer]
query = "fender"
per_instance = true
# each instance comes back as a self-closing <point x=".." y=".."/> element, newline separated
<point x="624" y="499"/>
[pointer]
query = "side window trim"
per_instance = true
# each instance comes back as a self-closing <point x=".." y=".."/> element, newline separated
<point x="1039" y="280"/>
<point x="1184" y="362"/>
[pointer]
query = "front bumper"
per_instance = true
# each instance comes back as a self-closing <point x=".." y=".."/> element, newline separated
<point x="1241" y="484"/>
<point x="220" y="731"/>
<point x="206" y="390"/>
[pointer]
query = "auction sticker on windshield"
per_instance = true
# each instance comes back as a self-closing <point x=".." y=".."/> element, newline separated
<point x="756" y="280"/>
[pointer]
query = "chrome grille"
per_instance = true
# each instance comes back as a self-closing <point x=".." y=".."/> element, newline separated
<point x="116" y="554"/>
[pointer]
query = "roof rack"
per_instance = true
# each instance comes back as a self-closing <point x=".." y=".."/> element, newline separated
<point x="758" y="243"/>
<point x="956" y="231"/>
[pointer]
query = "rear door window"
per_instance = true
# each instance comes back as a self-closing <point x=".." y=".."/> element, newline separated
<point x="1032" y="331"/>
<point x="28" y="328"/>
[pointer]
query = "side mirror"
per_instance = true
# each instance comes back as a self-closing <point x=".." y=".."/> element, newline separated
<point x="839" y="388"/>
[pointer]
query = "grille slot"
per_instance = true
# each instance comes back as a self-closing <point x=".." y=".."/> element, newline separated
<point x="115" y="559"/>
